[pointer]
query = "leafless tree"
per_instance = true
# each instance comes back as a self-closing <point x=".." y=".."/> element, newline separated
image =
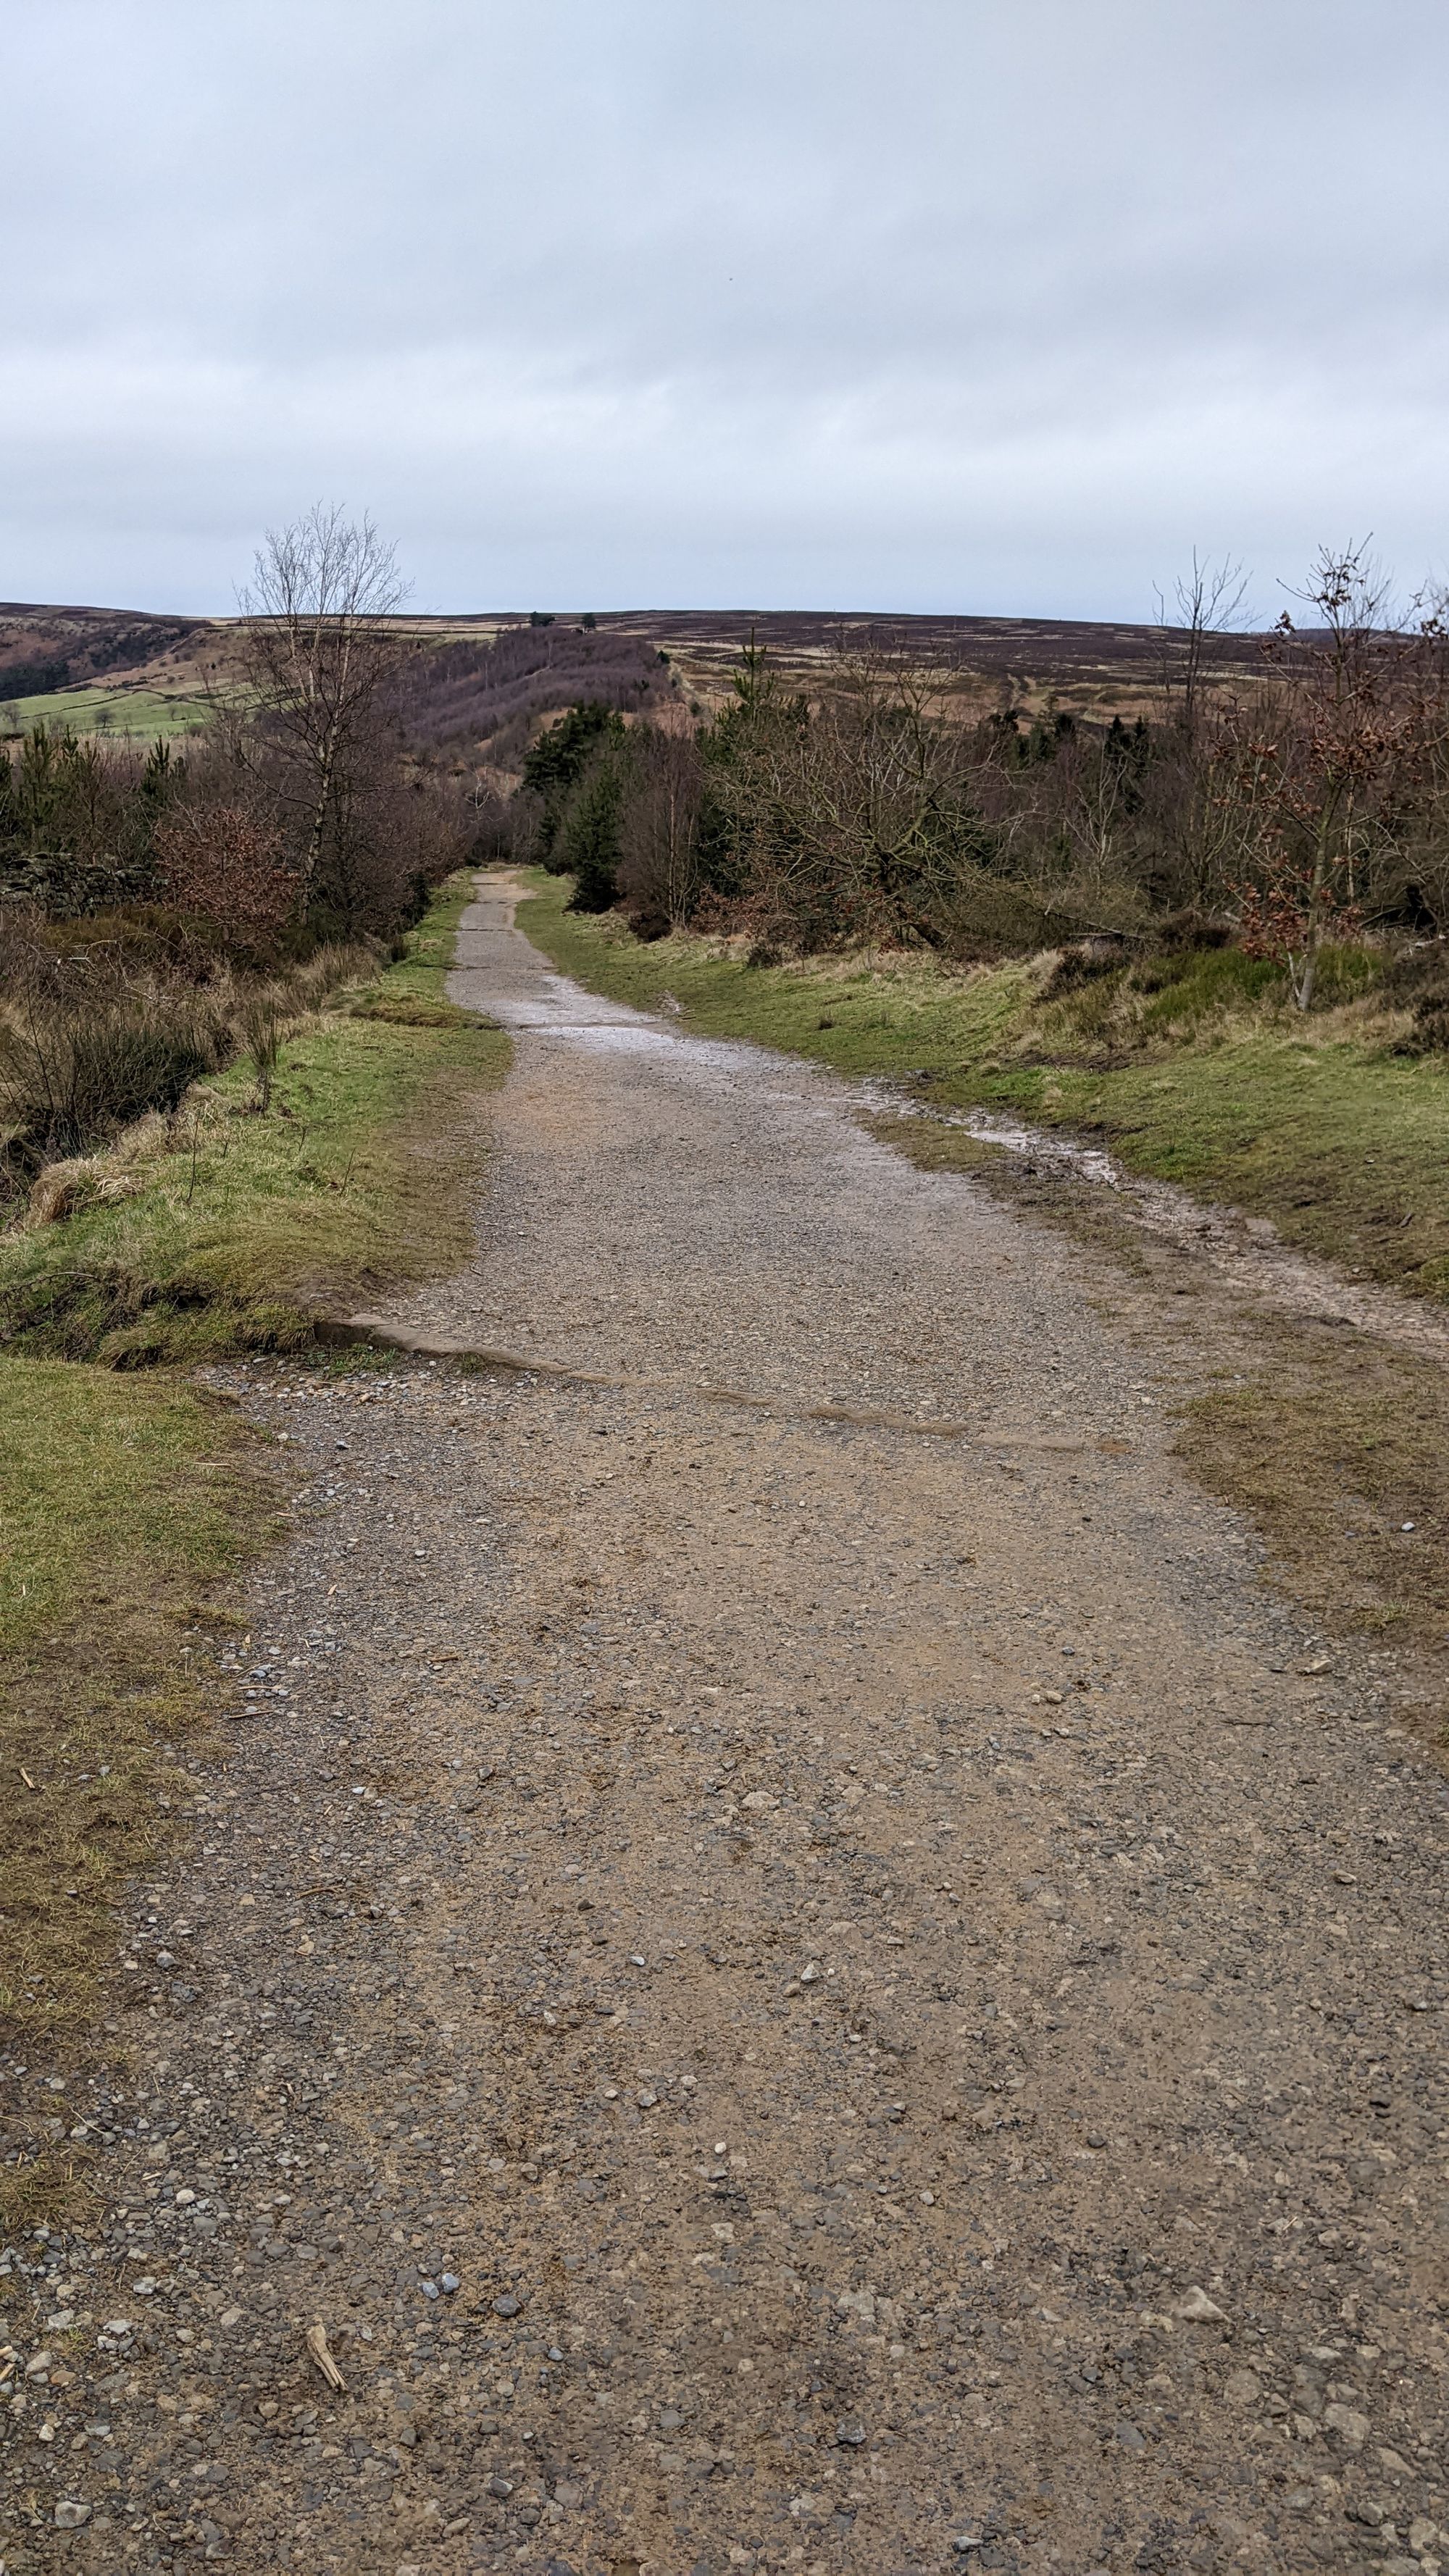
<point x="318" y="650"/>
<point x="1327" y="773"/>
<point x="856" y="812"/>
<point x="659" y="827"/>
<point x="1209" y="601"/>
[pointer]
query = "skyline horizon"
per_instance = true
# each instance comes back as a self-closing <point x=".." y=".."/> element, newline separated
<point x="812" y="307"/>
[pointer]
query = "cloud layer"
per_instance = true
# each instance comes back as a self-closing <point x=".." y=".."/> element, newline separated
<point x="936" y="305"/>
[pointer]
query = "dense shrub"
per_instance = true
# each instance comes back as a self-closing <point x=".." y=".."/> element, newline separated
<point x="78" y="821"/>
<point x="224" y="864"/>
<point x="556" y="766"/>
<point x="587" y="847"/>
<point x="1298" y="816"/>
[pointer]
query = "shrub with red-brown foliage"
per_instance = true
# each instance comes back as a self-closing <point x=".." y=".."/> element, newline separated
<point x="226" y="863"/>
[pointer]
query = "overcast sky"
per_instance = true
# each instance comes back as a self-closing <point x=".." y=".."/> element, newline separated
<point x="981" y="305"/>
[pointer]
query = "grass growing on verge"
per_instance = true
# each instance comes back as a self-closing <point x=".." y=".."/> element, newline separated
<point x="131" y="1500"/>
<point x="1343" y="1460"/>
<point x="1210" y="1081"/>
<point x="126" y="1504"/>
<point x="238" y="1227"/>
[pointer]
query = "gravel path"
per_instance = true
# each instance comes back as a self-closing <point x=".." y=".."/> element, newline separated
<point x="791" y="1992"/>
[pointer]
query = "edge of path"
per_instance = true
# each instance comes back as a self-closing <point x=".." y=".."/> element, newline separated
<point x="1329" y="1429"/>
<point x="133" y="1497"/>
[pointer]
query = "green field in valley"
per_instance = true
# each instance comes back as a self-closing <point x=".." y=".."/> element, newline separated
<point x="140" y="713"/>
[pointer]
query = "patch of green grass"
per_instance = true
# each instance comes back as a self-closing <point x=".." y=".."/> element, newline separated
<point x="1332" y="1450"/>
<point x="1204" y="1077"/>
<point x="140" y="712"/>
<point x="128" y="1505"/>
<point x="241" y="1226"/>
<point x="92" y="1464"/>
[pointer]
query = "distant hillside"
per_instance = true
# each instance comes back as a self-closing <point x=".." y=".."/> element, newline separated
<point x="492" y="675"/>
<point x="484" y="696"/>
<point x="102" y="669"/>
<point x="1114" y="669"/>
<point x="62" y="648"/>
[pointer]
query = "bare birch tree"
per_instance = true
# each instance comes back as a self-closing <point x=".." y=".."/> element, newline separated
<point x="659" y="826"/>
<point x="318" y="648"/>
<point x="1209" y="602"/>
<point x="1324" y="772"/>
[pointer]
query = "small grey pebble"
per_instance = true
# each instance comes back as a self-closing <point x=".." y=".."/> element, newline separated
<point x="507" y="2306"/>
<point x="451" y="2281"/>
<point x="429" y="2289"/>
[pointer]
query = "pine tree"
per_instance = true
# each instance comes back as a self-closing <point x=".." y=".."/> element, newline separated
<point x="588" y="839"/>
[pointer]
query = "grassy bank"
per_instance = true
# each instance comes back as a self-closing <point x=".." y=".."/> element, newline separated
<point x="126" y="1503"/>
<point x="1192" y="1070"/>
<point x="131" y="1498"/>
<point x="129" y="1505"/>
<point x="225" y="1228"/>
<point x="142" y="713"/>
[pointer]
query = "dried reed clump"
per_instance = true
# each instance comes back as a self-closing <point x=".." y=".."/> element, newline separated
<point x="72" y="1077"/>
<point x="62" y="1189"/>
<point x="261" y="1027"/>
<point x="82" y="1059"/>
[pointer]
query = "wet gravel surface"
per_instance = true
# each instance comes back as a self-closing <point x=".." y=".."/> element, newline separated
<point x="790" y="1993"/>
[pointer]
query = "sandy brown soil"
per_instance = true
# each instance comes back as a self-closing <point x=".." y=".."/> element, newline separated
<point x="793" y="1992"/>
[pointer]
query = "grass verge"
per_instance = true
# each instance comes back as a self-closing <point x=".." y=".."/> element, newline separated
<point x="223" y="1228"/>
<point x="131" y="1501"/>
<point x="1205" y="1078"/>
<point x="127" y="1507"/>
<point x="1343" y="1460"/>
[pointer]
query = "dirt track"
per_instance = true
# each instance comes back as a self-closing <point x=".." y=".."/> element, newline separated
<point x="904" y="1989"/>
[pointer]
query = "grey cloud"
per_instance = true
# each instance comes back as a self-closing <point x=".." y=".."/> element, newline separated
<point x="924" y="303"/>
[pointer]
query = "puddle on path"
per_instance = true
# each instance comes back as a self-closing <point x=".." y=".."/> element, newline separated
<point x="1035" y="1144"/>
<point x="1256" y="1252"/>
